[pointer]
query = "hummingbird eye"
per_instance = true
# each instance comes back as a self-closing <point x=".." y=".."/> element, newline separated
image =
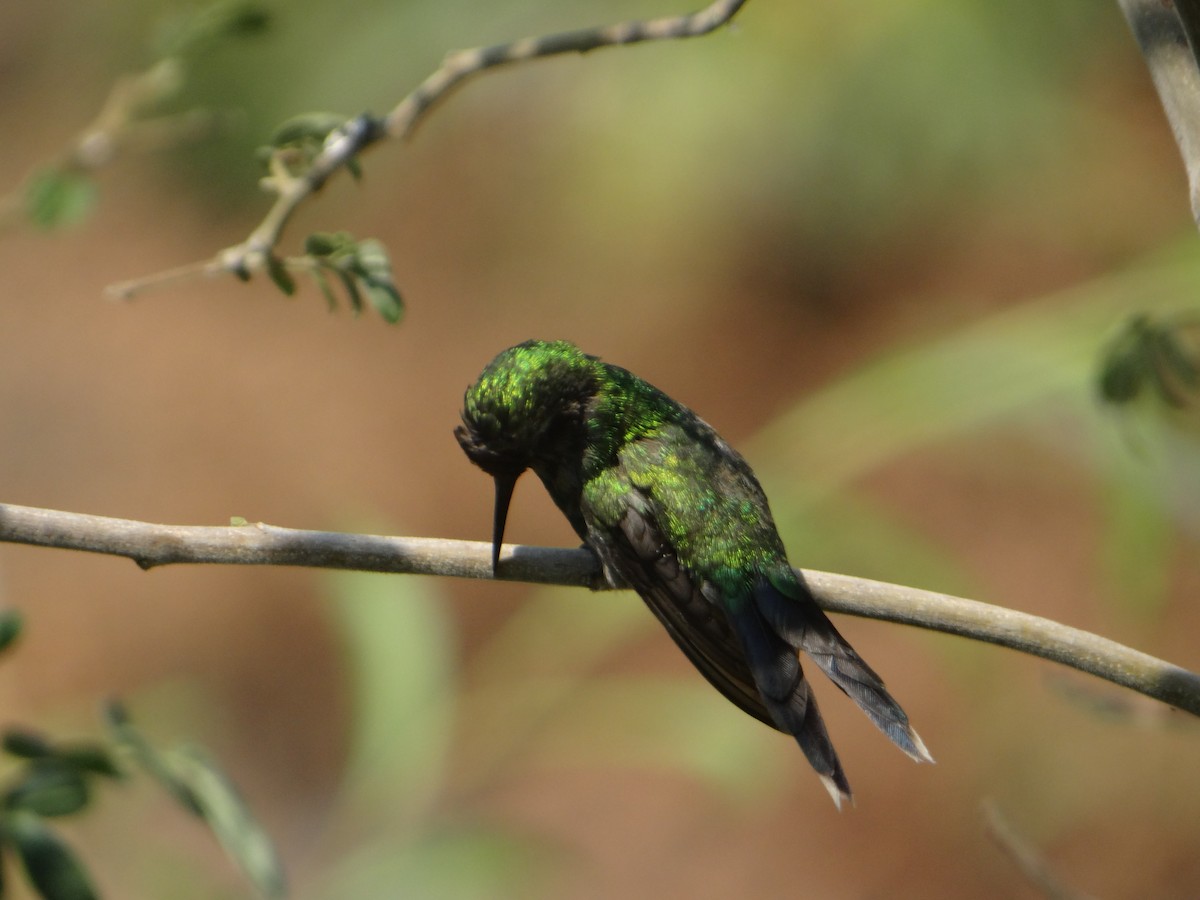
<point x="561" y="430"/>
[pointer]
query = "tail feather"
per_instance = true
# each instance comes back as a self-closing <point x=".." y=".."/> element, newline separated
<point x="798" y="621"/>
<point x="788" y="696"/>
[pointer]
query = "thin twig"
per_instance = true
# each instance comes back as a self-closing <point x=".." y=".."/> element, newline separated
<point x="1032" y="865"/>
<point x="1163" y="38"/>
<point x="363" y="132"/>
<point x="151" y="545"/>
<point x="460" y="65"/>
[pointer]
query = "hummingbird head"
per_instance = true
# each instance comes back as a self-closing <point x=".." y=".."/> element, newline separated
<point x="525" y="409"/>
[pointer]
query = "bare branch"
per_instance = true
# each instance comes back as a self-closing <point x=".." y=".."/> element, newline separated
<point x="151" y="545"/>
<point x="363" y="132"/>
<point x="1009" y="628"/>
<point x="1163" y="38"/>
<point x="464" y="64"/>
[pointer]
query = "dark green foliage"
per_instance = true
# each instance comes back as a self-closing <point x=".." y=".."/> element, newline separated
<point x="51" y="865"/>
<point x="10" y="628"/>
<point x="59" y="197"/>
<point x="373" y="271"/>
<point x="49" y="787"/>
<point x="53" y="779"/>
<point x="130" y="738"/>
<point x="198" y="784"/>
<point x="26" y="744"/>
<point x="63" y="193"/>
<point x="197" y="30"/>
<point x="304" y="129"/>
<point x="88" y="757"/>
<point x="280" y="275"/>
<point x="361" y="267"/>
<point x="298" y="141"/>
<point x="1161" y="356"/>
<point x="221" y="806"/>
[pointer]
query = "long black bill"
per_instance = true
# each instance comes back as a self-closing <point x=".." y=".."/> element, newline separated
<point x="504" y="492"/>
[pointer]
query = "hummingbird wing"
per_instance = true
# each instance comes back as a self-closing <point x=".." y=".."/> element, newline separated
<point x="640" y="555"/>
<point x="745" y="633"/>
<point x="735" y="649"/>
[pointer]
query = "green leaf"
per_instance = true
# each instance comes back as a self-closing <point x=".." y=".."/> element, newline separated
<point x="49" y="787"/>
<point x="128" y="735"/>
<point x="26" y="744"/>
<point x="1176" y="358"/>
<point x="196" y="782"/>
<point x="306" y="128"/>
<point x="51" y="865"/>
<point x="193" y="32"/>
<point x="327" y="245"/>
<point x="222" y="807"/>
<point x="86" y="757"/>
<point x="349" y="282"/>
<point x="238" y="18"/>
<point x="1156" y="351"/>
<point x="55" y="198"/>
<point x="385" y="300"/>
<point x="1172" y="368"/>
<point x="10" y="628"/>
<point x="89" y="758"/>
<point x="362" y="267"/>
<point x="375" y="274"/>
<point x="326" y="289"/>
<point x="283" y="279"/>
<point x="1121" y="379"/>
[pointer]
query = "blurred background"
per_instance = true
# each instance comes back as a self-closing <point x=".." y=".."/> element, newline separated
<point x="880" y="247"/>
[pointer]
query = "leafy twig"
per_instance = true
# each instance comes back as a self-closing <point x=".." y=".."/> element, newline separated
<point x="344" y="144"/>
<point x="151" y="545"/>
<point x="57" y="192"/>
<point x="60" y="191"/>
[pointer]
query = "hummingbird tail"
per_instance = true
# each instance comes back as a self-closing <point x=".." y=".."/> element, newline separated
<point x="798" y="621"/>
<point x="788" y="696"/>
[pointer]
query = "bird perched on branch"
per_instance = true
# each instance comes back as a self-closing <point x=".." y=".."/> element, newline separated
<point x="675" y="513"/>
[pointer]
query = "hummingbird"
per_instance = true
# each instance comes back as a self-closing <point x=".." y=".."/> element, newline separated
<point x="671" y="510"/>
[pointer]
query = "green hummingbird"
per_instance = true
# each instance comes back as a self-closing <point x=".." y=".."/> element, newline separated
<point x="674" y="512"/>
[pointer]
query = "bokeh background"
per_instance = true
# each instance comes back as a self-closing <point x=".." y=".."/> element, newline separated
<point x="880" y="246"/>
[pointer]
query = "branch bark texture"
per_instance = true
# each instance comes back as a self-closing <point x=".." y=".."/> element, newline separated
<point x="151" y="545"/>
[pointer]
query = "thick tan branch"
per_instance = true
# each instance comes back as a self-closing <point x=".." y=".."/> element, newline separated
<point x="1162" y="31"/>
<point x="151" y="545"/>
